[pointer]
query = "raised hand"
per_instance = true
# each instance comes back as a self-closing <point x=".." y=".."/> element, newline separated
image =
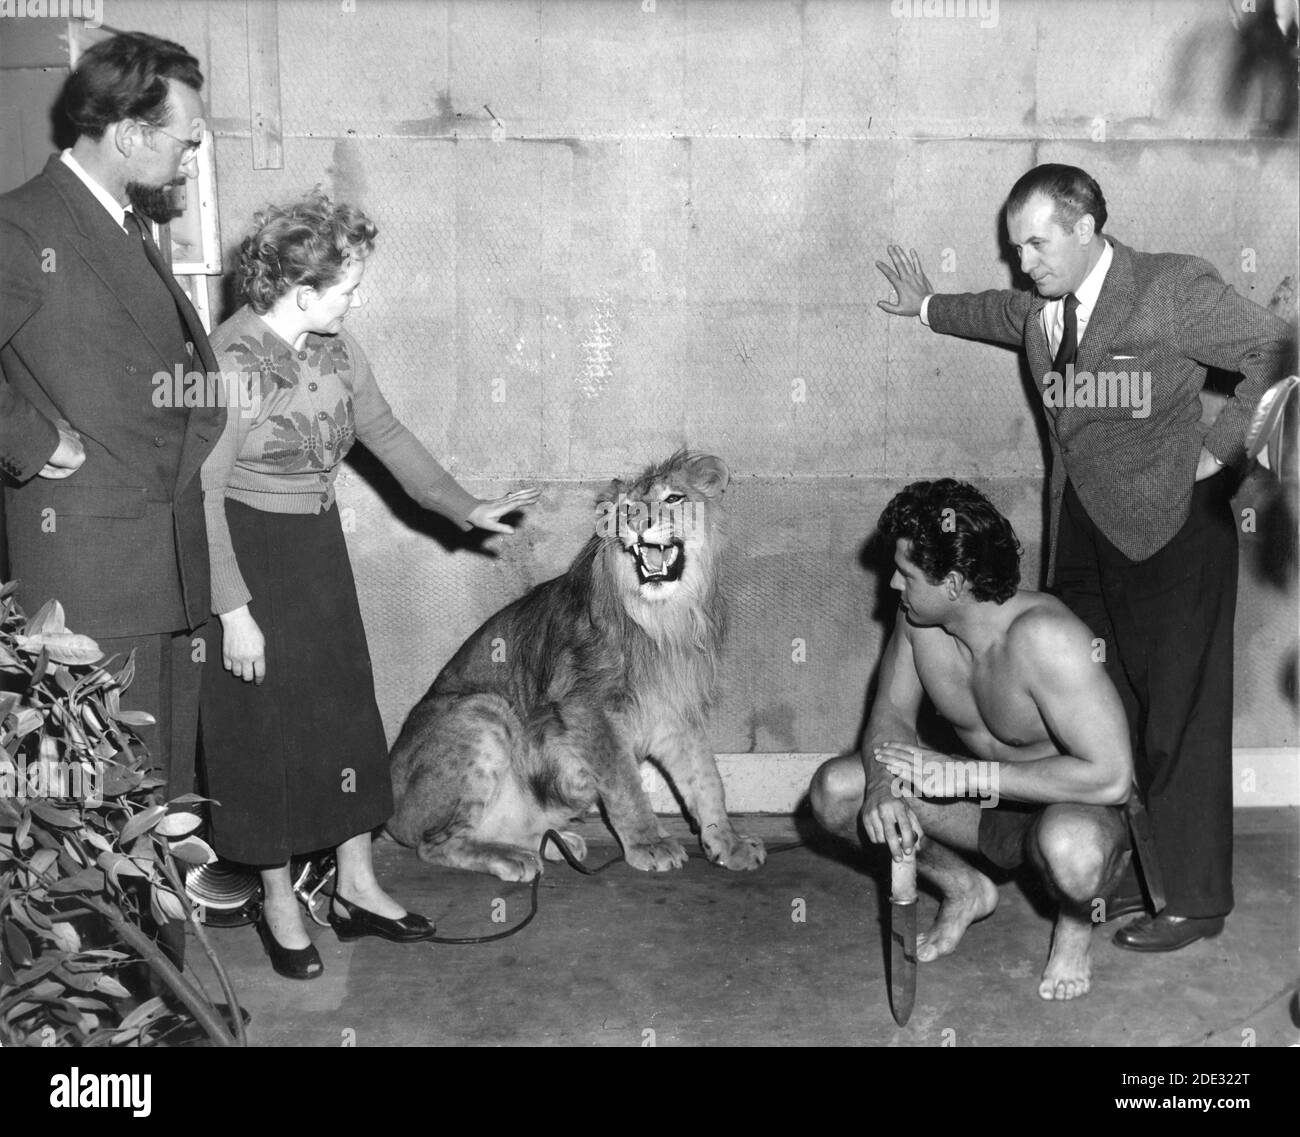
<point x="907" y="279"/>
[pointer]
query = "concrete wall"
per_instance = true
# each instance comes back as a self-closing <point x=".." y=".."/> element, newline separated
<point x="610" y="228"/>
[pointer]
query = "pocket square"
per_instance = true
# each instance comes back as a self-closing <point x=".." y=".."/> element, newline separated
<point x="1123" y="357"/>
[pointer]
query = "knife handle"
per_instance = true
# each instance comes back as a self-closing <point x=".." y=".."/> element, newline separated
<point x="902" y="879"/>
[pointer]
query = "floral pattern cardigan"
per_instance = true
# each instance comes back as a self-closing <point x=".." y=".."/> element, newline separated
<point x="292" y="418"/>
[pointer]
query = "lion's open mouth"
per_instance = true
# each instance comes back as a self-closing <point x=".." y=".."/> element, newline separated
<point x="658" y="564"/>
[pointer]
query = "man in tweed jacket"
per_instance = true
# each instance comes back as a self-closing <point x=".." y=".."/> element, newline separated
<point x="1142" y="538"/>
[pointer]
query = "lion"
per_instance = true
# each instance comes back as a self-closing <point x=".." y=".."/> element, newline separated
<point x="550" y="707"/>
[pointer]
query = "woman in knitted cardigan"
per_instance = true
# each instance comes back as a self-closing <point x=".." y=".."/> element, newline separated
<point x="295" y="752"/>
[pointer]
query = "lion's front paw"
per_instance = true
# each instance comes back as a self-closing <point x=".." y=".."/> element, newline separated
<point x="735" y="851"/>
<point x="657" y="856"/>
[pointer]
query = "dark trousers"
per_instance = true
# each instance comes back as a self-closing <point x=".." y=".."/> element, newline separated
<point x="166" y="685"/>
<point x="1167" y="624"/>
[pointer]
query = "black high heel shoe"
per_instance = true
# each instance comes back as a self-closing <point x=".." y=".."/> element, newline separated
<point x="357" y="922"/>
<point x="292" y="963"/>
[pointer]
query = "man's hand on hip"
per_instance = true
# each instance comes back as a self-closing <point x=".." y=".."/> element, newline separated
<point x="1207" y="465"/>
<point x="68" y="455"/>
<point x="907" y="279"/>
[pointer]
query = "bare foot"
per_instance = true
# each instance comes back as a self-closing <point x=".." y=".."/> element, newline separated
<point x="1068" y="973"/>
<point x="972" y="900"/>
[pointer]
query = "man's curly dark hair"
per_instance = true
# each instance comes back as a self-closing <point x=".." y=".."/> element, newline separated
<point x="951" y="526"/>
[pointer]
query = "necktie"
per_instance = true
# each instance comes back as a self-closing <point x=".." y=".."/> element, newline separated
<point x="1069" y="337"/>
<point x="189" y="318"/>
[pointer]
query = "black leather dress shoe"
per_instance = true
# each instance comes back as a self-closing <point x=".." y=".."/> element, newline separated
<point x="357" y="922"/>
<point x="1167" y="933"/>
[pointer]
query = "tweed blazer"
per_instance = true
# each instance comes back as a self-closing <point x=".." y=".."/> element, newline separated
<point x="86" y="326"/>
<point x="1160" y="321"/>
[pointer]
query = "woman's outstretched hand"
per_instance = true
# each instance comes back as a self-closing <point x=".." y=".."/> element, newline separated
<point x="487" y="514"/>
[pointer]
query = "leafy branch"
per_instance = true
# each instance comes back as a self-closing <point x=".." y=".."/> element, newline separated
<point x="85" y="847"/>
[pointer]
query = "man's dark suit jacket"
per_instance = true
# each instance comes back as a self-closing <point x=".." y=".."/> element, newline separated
<point x="86" y="325"/>
<point x="1165" y="314"/>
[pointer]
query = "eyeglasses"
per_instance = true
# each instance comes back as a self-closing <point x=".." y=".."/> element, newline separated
<point x="188" y="146"/>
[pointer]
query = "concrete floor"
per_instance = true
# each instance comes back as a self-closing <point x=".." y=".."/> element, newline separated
<point x="702" y="957"/>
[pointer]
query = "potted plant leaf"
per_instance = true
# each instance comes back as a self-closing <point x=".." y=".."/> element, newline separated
<point x="85" y="848"/>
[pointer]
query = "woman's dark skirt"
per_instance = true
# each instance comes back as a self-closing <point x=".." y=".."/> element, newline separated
<point x="299" y="763"/>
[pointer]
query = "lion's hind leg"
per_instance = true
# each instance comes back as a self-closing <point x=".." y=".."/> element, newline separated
<point x="462" y="805"/>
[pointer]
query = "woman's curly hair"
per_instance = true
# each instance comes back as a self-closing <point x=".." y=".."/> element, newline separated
<point x="308" y="242"/>
<point x="951" y="526"/>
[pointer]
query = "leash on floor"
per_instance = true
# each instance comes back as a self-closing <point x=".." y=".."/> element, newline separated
<point x="554" y="838"/>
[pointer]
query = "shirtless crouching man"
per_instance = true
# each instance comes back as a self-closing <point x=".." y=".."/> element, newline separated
<point x="1013" y="672"/>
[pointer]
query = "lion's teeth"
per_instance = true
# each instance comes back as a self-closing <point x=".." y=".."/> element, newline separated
<point x="656" y="560"/>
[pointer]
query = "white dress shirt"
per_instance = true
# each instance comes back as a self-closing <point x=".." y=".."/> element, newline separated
<point x="1054" y="310"/>
<point x="106" y="199"/>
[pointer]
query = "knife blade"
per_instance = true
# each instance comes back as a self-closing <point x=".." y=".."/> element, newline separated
<point x="902" y="935"/>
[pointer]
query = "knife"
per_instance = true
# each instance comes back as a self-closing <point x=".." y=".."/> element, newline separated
<point x="902" y="936"/>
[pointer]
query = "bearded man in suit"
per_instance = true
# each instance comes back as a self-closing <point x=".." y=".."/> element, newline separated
<point x="1142" y="537"/>
<point x="103" y="507"/>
